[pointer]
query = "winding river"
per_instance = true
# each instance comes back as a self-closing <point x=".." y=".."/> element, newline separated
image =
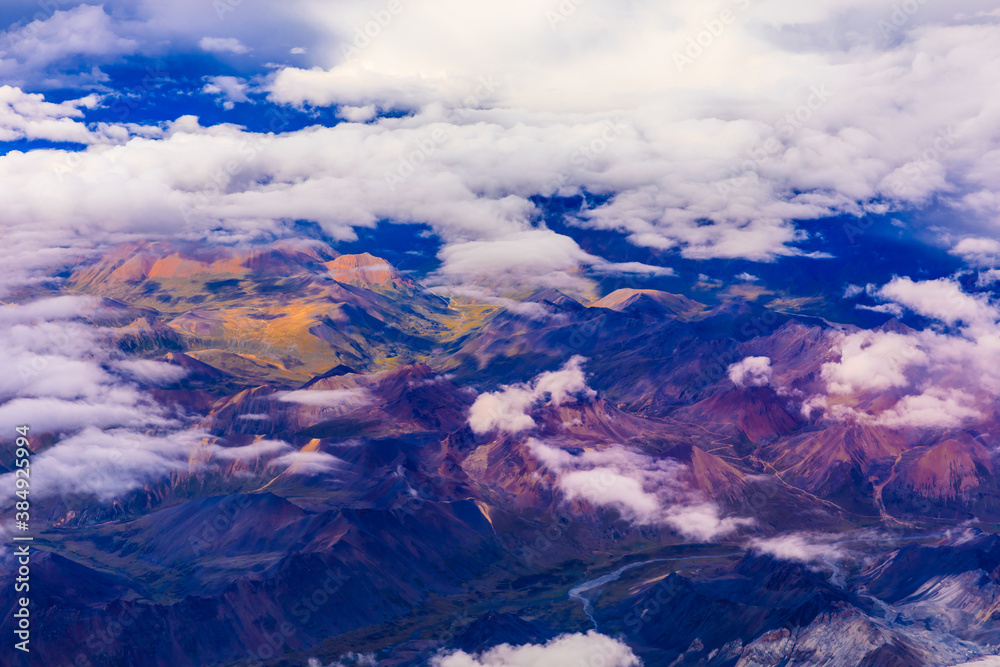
<point x="578" y="591"/>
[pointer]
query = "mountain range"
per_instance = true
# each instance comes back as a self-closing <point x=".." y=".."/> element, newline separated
<point x="380" y="470"/>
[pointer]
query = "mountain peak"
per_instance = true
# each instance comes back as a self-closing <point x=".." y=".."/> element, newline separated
<point x="368" y="271"/>
<point x="649" y="301"/>
<point x="554" y="297"/>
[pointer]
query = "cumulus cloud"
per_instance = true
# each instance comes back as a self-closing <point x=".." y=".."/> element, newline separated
<point x="702" y="158"/>
<point x="361" y="114"/>
<point x="644" y="490"/>
<point x="852" y="291"/>
<point x="29" y="116"/>
<point x="751" y="372"/>
<point x="746" y="154"/>
<point x="934" y="408"/>
<point x="231" y="89"/>
<point x="977" y="251"/>
<point x="940" y="299"/>
<point x="507" y="409"/>
<point x="920" y="378"/>
<point x="64" y="307"/>
<point x="572" y="649"/>
<point x="31" y="53"/>
<point x="872" y="361"/>
<point x="541" y="255"/>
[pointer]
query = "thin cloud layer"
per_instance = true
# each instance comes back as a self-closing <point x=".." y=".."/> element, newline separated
<point x="801" y="547"/>
<point x="106" y="464"/>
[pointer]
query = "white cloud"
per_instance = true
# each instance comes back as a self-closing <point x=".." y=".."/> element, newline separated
<point x="852" y="291"/>
<point x="232" y="89"/>
<point x="222" y="45"/>
<point x="29" y="116"/>
<point x="645" y="490"/>
<point x="752" y="371"/>
<point x="358" y="114"/>
<point x="334" y="398"/>
<point x="308" y="463"/>
<point x="63" y="376"/>
<point x="940" y="299"/>
<point x="107" y="464"/>
<point x="573" y="649"/>
<point x="979" y="252"/>
<point x="152" y="372"/>
<point x="935" y="408"/>
<point x="256" y="450"/>
<point x="872" y="361"/>
<point x="507" y="409"/>
<point x="917" y="379"/>
<point x="29" y="53"/>
<point x="747" y="152"/>
<point x="800" y="547"/>
<point x="350" y="659"/>
<point x="539" y="256"/>
<point x="988" y="278"/>
<point x="55" y="308"/>
<point x="122" y="406"/>
<point x="716" y="159"/>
